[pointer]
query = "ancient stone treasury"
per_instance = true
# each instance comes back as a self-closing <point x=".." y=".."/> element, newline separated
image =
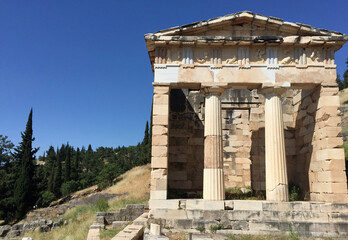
<point x="246" y="101"/>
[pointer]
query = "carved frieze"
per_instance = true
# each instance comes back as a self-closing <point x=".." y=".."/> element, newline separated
<point x="259" y="55"/>
<point x="288" y="57"/>
<point x="243" y="57"/>
<point x="246" y="57"/>
<point x="314" y="55"/>
<point x="187" y="55"/>
<point x="300" y="56"/>
<point x="272" y="57"/>
<point x="216" y="56"/>
<point x="161" y="55"/>
<point x="328" y="55"/>
<point x="201" y="55"/>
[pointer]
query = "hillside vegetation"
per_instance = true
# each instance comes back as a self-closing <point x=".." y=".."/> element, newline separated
<point x="134" y="187"/>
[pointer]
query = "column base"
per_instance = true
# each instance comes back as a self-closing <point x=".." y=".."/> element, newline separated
<point x="213" y="184"/>
<point x="280" y="193"/>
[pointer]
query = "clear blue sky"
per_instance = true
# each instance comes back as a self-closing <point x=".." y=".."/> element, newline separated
<point x="83" y="65"/>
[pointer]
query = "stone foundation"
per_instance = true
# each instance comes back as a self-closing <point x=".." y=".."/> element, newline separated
<point x="253" y="217"/>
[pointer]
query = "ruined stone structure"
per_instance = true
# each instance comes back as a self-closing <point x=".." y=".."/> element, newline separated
<point x="245" y="100"/>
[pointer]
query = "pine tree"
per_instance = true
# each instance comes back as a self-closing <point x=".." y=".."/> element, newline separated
<point x="25" y="156"/>
<point x="67" y="170"/>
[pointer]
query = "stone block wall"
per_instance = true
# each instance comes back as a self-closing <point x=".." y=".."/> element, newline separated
<point x="243" y="140"/>
<point x="236" y="113"/>
<point x="159" y="151"/>
<point x="315" y="159"/>
<point x="318" y="145"/>
<point x="257" y="129"/>
<point x="186" y="143"/>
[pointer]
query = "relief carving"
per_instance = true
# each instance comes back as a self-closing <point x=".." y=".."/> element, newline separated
<point x="202" y="57"/>
<point x="315" y="55"/>
<point x="232" y="60"/>
<point x="287" y="60"/>
<point x="176" y="56"/>
<point x="259" y="54"/>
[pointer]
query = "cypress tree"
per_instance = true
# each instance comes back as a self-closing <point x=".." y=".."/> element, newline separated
<point x="67" y="170"/>
<point x="25" y="156"/>
<point x="345" y="77"/>
<point x="57" y="176"/>
<point x="74" y="169"/>
<point x="339" y="82"/>
<point x="145" y="146"/>
<point x="50" y="168"/>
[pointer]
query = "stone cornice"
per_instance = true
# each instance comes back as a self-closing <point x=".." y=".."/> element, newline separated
<point x="251" y="18"/>
<point x="153" y="41"/>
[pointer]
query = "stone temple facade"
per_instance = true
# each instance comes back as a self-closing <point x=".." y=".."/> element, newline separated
<point x="245" y="100"/>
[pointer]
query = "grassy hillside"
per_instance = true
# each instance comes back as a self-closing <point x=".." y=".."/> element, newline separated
<point x="134" y="184"/>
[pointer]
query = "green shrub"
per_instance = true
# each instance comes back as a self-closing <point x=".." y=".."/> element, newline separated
<point x="69" y="187"/>
<point x="102" y="205"/>
<point x="214" y="228"/>
<point x="295" y="192"/>
<point x="45" y="199"/>
<point x="201" y="229"/>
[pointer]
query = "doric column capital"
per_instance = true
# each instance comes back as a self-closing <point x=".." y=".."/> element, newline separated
<point x="277" y="89"/>
<point x="213" y="88"/>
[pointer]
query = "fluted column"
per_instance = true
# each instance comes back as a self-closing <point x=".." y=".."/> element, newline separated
<point x="213" y="176"/>
<point x="276" y="170"/>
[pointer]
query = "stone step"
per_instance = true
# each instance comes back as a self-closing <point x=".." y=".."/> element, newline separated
<point x="131" y="232"/>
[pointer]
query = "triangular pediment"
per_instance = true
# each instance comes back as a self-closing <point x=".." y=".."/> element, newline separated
<point x="245" y="24"/>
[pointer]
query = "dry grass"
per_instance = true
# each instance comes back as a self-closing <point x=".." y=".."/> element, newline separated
<point x="343" y="94"/>
<point x="134" y="182"/>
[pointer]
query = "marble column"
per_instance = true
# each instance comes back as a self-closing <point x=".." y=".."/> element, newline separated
<point x="213" y="176"/>
<point x="276" y="170"/>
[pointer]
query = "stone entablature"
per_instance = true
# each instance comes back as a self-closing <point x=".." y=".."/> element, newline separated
<point x="242" y="64"/>
<point x="299" y="56"/>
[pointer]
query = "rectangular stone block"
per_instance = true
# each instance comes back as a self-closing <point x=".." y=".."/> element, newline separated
<point x="159" y="130"/>
<point x="276" y="206"/>
<point x="159" y="151"/>
<point x="159" y="174"/>
<point x="161" y="120"/>
<point x="325" y="187"/>
<point x="329" y="143"/>
<point x="160" y="194"/>
<point x="159" y="162"/>
<point x="159" y="184"/>
<point x="160" y="140"/>
<point x="325" y="112"/>
<point x="247" y="205"/>
<point x="330" y="154"/>
<point x="162" y="110"/>
<point x="327" y="132"/>
<point x="161" y="90"/>
<point x="329" y="101"/>
<point x="330" y="122"/>
<point x="168" y="213"/>
<point x="192" y="204"/>
<point x="164" y="204"/>
<point x="161" y="99"/>
<point x="332" y="176"/>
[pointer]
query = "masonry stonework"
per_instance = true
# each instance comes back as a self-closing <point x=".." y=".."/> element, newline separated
<point x="246" y="100"/>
